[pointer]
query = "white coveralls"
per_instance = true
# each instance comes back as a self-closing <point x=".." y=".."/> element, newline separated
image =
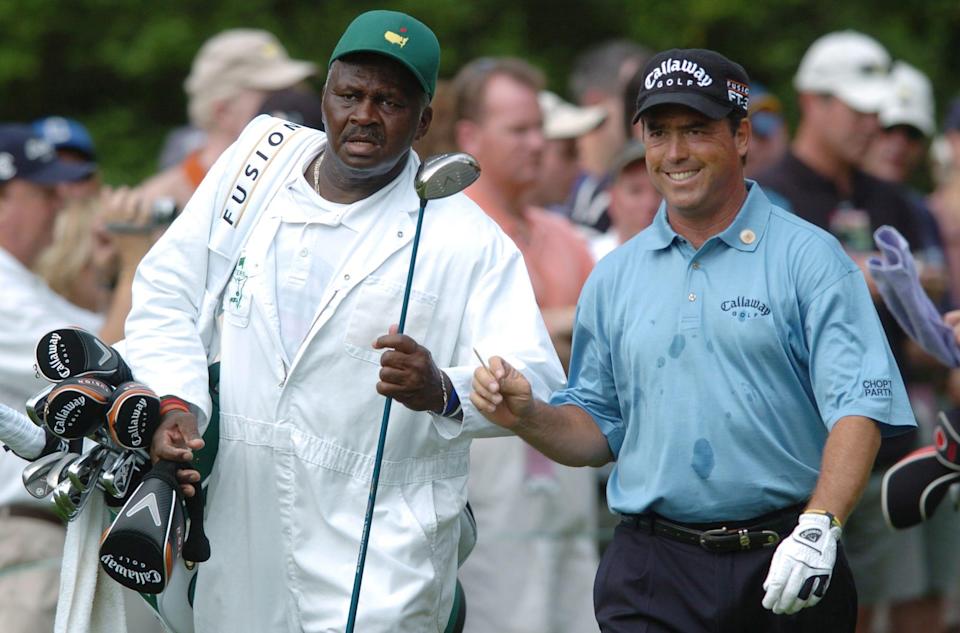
<point x="287" y="496"/>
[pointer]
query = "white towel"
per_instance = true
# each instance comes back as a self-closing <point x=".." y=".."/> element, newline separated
<point x="90" y="601"/>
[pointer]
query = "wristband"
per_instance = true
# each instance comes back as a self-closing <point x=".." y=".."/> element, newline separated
<point x="451" y="401"/>
<point x="172" y="403"/>
<point x="834" y="521"/>
<point x="452" y="408"/>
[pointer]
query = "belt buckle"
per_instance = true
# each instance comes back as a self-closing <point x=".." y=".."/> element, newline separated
<point x="724" y="539"/>
<point x="770" y="538"/>
<point x="715" y="539"/>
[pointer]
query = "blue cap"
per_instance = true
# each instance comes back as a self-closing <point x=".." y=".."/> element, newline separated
<point x="64" y="133"/>
<point x="25" y="155"/>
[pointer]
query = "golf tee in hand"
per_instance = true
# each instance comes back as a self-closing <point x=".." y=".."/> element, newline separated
<point x="501" y="393"/>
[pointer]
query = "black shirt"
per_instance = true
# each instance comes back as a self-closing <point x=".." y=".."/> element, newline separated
<point x="852" y="220"/>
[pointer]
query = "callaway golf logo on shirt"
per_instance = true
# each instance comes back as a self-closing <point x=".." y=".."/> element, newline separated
<point x="744" y="308"/>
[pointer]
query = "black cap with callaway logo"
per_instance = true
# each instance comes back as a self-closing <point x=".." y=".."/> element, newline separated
<point x="698" y="78"/>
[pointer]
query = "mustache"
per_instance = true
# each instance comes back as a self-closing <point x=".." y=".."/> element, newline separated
<point x="368" y="135"/>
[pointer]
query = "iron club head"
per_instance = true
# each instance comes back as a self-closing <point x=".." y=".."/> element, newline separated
<point x="37" y="405"/>
<point x="445" y="174"/>
<point x="117" y="475"/>
<point x="85" y="472"/>
<point x="58" y="472"/>
<point x="35" y="474"/>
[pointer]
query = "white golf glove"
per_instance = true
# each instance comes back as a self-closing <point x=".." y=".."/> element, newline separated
<point x="802" y="565"/>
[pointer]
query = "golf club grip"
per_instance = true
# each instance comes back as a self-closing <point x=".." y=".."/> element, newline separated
<point x="196" y="547"/>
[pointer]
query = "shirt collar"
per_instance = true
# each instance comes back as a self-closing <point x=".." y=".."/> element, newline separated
<point x="399" y="194"/>
<point x="748" y="227"/>
<point x="744" y="233"/>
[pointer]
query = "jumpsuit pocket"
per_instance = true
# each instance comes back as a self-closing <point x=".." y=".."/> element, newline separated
<point x="376" y="308"/>
<point x="239" y="293"/>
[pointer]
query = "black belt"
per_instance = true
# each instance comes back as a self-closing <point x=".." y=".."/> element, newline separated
<point x="733" y="536"/>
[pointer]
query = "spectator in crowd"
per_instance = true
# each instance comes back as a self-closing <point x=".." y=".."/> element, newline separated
<point x="231" y="76"/>
<point x="300" y="105"/>
<point x="945" y="200"/>
<point x="843" y="82"/>
<point x="633" y="200"/>
<point x="439" y="138"/>
<point x="532" y="566"/>
<point x="918" y="601"/>
<point x="91" y="265"/>
<point x="563" y="124"/>
<point x="73" y="143"/>
<point x="896" y="155"/>
<point x="768" y="139"/>
<point x="598" y="78"/>
<point x="31" y="537"/>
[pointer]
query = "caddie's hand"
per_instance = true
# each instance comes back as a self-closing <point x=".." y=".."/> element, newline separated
<point x="501" y="393"/>
<point x="802" y="565"/>
<point x="175" y="439"/>
<point x="408" y="373"/>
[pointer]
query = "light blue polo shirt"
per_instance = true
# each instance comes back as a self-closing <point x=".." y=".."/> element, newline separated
<point x="717" y="373"/>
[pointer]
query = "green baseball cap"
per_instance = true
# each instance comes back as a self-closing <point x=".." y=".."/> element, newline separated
<point x="396" y="35"/>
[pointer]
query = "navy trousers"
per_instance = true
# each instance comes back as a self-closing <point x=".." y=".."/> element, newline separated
<point x="652" y="584"/>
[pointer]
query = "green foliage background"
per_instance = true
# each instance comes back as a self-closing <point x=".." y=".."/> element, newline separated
<point x="119" y="66"/>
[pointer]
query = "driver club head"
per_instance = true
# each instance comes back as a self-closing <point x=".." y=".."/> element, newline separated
<point x="445" y="174"/>
<point x="35" y="474"/>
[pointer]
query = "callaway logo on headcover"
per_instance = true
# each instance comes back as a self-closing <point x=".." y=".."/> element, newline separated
<point x="812" y="534"/>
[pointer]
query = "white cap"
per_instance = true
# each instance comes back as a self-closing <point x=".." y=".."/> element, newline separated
<point x="910" y="101"/>
<point x="562" y="120"/>
<point x="848" y="65"/>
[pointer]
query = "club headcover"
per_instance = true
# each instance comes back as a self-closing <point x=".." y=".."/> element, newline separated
<point x="914" y="487"/>
<point x="141" y="546"/>
<point x="72" y="353"/>
<point x="133" y="415"/>
<point x="76" y="407"/>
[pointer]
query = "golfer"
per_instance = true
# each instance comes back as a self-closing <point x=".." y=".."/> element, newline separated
<point x="730" y="361"/>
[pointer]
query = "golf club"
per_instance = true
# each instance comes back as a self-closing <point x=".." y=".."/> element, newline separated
<point x="438" y="177"/>
<point x="118" y="473"/>
<point x="35" y="474"/>
<point x="38" y="404"/>
<point x="73" y="353"/>
<point x="80" y="471"/>
<point x="71" y="494"/>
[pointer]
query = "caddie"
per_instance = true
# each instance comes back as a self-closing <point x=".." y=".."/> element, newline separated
<point x="729" y="360"/>
<point x="301" y="240"/>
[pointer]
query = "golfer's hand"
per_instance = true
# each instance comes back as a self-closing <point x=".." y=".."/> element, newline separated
<point x="175" y="439"/>
<point x="502" y="394"/>
<point x="408" y="373"/>
<point x="802" y="565"/>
